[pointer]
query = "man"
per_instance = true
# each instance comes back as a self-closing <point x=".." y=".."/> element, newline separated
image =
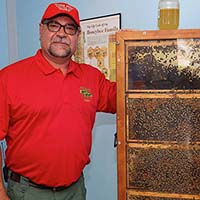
<point x="47" y="110"/>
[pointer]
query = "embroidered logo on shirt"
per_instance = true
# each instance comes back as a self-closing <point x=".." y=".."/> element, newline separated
<point x="86" y="94"/>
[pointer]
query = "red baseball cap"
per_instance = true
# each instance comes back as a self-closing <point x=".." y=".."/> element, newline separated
<point x="54" y="9"/>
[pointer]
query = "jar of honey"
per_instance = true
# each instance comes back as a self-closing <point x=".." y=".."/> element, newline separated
<point x="168" y="14"/>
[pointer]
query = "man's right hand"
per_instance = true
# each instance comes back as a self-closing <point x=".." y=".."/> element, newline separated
<point x="4" y="196"/>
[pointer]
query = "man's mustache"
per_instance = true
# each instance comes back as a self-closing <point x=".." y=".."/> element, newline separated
<point x="63" y="40"/>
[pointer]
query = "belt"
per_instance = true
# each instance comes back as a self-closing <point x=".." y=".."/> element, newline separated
<point x="18" y="178"/>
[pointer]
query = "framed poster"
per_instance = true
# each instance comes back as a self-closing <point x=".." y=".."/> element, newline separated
<point x="97" y="45"/>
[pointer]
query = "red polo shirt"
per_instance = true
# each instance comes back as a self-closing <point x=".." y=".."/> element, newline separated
<point x="47" y="118"/>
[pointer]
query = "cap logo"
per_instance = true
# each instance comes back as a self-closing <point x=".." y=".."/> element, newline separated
<point x="67" y="8"/>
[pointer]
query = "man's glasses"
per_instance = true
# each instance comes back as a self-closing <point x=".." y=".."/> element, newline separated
<point x="54" y="26"/>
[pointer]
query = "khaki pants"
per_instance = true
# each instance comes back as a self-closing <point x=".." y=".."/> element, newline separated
<point x="23" y="191"/>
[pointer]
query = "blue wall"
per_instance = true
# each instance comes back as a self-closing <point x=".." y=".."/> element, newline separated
<point x="4" y="60"/>
<point x="101" y="174"/>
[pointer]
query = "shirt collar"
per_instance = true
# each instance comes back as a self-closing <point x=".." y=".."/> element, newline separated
<point x="48" y="69"/>
<point x="74" y="68"/>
